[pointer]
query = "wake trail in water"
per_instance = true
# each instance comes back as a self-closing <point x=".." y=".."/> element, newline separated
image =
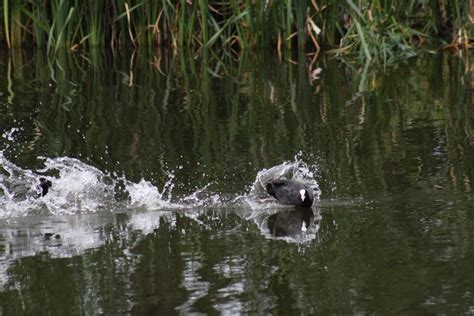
<point x="89" y="197"/>
<point x="79" y="188"/>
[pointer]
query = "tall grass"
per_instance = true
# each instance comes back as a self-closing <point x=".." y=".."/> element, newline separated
<point x="373" y="29"/>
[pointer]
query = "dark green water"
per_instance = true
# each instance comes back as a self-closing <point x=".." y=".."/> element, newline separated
<point x="155" y="207"/>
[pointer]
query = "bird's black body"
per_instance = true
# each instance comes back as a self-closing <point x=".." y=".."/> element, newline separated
<point x="43" y="187"/>
<point x="290" y="192"/>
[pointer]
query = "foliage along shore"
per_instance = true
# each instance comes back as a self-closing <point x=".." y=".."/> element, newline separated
<point x="372" y="29"/>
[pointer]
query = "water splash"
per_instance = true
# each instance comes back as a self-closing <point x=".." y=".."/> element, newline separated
<point x="77" y="188"/>
<point x="9" y="135"/>
<point x="18" y="187"/>
<point x="80" y="188"/>
<point x="296" y="170"/>
<point x="145" y="195"/>
<point x="87" y="195"/>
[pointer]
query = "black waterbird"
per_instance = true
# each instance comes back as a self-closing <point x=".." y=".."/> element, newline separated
<point x="43" y="187"/>
<point x="291" y="192"/>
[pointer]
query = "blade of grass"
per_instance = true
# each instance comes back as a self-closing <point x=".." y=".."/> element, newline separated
<point x="355" y="8"/>
<point x="362" y="40"/>
<point x="6" y="22"/>
<point x="61" y="32"/>
<point x="216" y="35"/>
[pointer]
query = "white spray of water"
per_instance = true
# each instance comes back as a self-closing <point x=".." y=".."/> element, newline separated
<point x="17" y="189"/>
<point x="81" y="188"/>
<point x="145" y="195"/>
<point x="9" y="135"/>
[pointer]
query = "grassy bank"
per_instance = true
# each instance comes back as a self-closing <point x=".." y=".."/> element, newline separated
<point x="373" y="29"/>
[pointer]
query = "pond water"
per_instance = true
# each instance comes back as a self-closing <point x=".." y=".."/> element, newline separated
<point x="158" y="166"/>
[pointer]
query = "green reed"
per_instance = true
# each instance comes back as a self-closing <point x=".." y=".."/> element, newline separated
<point x="372" y="29"/>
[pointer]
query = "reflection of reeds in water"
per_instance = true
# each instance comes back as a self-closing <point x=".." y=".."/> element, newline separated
<point x="402" y="133"/>
<point x="120" y="112"/>
<point x="370" y="28"/>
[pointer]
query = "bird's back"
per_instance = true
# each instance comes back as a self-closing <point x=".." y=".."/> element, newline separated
<point x="287" y="191"/>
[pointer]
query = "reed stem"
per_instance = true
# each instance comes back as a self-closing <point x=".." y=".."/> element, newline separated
<point x="375" y="30"/>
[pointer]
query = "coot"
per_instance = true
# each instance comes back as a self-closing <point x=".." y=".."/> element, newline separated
<point x="43" y="187"/>
<point x="291" y="192"/>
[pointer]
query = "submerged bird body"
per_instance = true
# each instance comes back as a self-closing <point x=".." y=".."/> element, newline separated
<point x="43" y="187"/>
<point x="290" y="192"/>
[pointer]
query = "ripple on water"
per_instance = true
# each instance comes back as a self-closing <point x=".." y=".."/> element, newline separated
<point x="81" y="191"/>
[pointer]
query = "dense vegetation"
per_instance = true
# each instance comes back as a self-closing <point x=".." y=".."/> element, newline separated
<point x="373" y="29"/>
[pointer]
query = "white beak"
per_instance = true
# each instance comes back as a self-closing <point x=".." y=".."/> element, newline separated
<point x="303" y="193"/>
<point x="303" y="227"/>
